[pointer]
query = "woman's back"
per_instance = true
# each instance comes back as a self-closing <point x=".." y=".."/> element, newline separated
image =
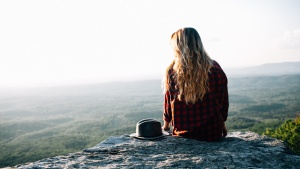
<point x="196" y="96"/>
<point x="203" y="120"/>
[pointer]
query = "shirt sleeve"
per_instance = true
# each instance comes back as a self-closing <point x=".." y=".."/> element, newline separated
<point x="225" y="105"/>
<point x="167" y="116"/>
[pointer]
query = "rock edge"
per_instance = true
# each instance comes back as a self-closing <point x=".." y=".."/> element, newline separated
<point x="237" y="150"/>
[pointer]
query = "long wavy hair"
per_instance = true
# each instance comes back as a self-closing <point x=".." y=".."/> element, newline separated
<point x="191" y="65"/>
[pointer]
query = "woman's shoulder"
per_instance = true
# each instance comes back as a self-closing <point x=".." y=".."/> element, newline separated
<point x="216" y="64"/>
<point x="216" y="68"/>
<point x="171" y="73"/>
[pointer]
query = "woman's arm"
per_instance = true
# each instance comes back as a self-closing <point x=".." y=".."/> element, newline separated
<point x="167" y="115"/>
<point x="225" y="105"/>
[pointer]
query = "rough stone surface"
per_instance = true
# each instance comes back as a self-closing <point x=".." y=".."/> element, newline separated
<point x="238" y="150"/>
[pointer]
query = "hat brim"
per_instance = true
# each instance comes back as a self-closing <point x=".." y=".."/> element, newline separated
<point x="164" y="133"/>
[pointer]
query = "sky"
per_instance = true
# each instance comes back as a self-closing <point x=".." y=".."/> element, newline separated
<point x="62" y="42"/>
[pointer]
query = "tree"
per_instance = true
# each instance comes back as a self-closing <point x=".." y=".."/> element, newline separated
<point x="289" y="132"/>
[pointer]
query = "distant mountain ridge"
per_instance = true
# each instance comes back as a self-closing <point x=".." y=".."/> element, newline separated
<point x="270" y="69"/>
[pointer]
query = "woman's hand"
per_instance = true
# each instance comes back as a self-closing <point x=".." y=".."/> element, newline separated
<point x="166" y="126"/>
<point x="224" y="131"/>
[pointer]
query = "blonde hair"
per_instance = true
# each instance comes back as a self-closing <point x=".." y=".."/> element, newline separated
<point x="191" y="66"/>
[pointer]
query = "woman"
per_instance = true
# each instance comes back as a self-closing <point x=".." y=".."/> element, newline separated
<point x="195" y="87"/>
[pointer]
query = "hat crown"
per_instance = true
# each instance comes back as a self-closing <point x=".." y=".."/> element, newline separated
<point x="148" y="128"/>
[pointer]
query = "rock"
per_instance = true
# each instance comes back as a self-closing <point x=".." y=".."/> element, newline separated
<point x="237" y="150"/>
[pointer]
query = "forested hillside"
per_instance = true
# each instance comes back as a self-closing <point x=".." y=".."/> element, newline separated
<point x="43" y="122"/>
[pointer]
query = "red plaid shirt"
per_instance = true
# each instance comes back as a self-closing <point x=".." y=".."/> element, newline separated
<point x="205" y="119"/>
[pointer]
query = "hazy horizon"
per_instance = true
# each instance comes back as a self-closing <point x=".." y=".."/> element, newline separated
<point x="230" y="72"/>
<point x="50" y="43"/>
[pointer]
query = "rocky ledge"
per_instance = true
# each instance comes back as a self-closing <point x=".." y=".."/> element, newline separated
<point x="238" y="150"/>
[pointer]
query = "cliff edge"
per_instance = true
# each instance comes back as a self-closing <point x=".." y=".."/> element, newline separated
<point x="237" y="150"/>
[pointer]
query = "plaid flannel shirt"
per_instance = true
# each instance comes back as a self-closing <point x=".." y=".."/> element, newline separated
<point x="205" y="119"/>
